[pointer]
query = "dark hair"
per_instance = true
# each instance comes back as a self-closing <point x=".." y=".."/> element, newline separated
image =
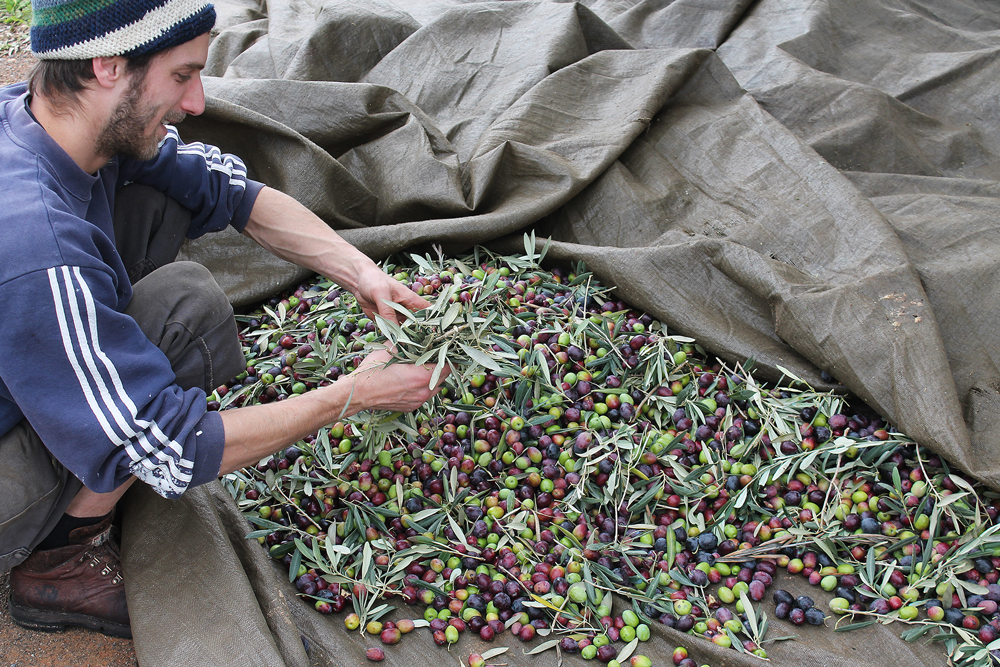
<point x="61" y="80"/>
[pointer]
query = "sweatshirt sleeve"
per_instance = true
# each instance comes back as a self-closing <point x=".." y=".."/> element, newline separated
<point x="99" y="394"/>
<point x="211" y="184"/>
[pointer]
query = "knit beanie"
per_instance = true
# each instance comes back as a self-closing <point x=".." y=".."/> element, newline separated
<point x="84" y="29"/>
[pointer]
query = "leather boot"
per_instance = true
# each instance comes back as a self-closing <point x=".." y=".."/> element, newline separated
<point x="80" y="584"/>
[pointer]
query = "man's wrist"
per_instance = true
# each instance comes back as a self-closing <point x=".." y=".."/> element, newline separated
<point x="349" y="269"/>
<point x="354" y="396"/>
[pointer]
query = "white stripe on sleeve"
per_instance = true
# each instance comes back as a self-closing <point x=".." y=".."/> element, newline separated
<point x="230" y="165"/>
<point x="162" y="466"/>
<point x="137" y="425"/>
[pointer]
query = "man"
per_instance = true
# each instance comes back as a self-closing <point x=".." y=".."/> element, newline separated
<point x="103" y="382"/>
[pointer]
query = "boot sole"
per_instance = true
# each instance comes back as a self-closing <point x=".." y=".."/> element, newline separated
<point x="56" y="621"/>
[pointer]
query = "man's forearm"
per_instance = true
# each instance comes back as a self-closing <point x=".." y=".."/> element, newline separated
<point x="256" y="431"/>
<point x="289" y="230"/>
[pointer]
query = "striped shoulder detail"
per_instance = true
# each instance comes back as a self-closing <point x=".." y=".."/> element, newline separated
<point x="214" y="159"/>
<point x="156" y="458"/>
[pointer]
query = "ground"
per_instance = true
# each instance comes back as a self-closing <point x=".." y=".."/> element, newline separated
<point x="19" y="647"/>
<point x="15" y="54"/>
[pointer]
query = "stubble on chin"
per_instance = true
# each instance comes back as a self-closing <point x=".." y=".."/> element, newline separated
<point x="126" y="131"/>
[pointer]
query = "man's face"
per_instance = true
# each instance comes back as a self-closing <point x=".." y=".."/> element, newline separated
<point x="170" y="89"/>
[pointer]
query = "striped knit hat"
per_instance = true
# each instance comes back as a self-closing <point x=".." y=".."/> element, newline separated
<point x="84" y="29"/>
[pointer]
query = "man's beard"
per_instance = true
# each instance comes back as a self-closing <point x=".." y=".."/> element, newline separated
<point x="125" y="133"/>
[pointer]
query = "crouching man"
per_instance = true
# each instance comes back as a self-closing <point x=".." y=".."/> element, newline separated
<point x="108" y="346"/>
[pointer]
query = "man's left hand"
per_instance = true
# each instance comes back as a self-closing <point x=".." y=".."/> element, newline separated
<point x="374" y="285"/>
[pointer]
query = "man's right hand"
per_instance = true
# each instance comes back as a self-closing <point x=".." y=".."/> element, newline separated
<point x="253" y="432"/>
<point x="399" y="387"/>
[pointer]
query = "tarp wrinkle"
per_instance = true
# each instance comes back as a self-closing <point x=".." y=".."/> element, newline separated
<point x="811" y="183"/>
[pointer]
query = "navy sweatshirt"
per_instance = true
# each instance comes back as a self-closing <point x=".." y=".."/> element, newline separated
<point x="99" y="394"/>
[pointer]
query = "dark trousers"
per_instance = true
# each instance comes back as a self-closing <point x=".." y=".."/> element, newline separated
<point x="180" y="308"/>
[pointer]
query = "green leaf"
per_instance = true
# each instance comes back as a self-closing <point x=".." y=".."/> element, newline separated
<point x="488" y="284"/>
<point x="254" y="534"/>
<point x="293" y="567"/>
<point x="391" y="330"/>
<point x="917" y="632"/>
<point x="451" y="315"/>
<point x="972" y="586"/>
<point x="281" y="550"/>
<point x="545" y="250"/>
<point x="481" y="357"/>
<point x="736" y="641"/>
<point x="424" y="358"/>
<point x="628" y="650"/>
<point x="541" y="648"/>
<point x="422" y="263"/>
<point x="264" y="523"/>
<point x="870" y="568"/>
<point x="748" y="610"/>
<point x="317" y="556"/>
<point x="493" y="652"/>
<point x="403" y="310"/>
<point x="439" y="368"/>
<point x="854" y="626"/>
<point x="366" y="562"/>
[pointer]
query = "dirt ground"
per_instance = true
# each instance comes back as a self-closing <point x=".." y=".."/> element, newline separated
<point x="15" y="54"/>
<point x="27" y="648"/>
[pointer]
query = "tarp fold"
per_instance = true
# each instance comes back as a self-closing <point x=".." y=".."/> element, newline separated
<point x="811" y="183"/>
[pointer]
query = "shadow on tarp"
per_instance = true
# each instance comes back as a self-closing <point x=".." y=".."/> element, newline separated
<point x="810" y="184"/>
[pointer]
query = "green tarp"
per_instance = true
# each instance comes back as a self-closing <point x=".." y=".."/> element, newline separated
<point x="810" y="183"/>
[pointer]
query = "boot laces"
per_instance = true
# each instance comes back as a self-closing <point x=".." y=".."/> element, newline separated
<point x="105" y="555"/>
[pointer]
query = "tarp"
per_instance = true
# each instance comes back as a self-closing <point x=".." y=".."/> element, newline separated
<point x="812" y="183"/>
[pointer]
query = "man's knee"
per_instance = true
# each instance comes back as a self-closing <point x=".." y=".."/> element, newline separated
<point x="185" y="313"/>
<point x="195" y="287"/>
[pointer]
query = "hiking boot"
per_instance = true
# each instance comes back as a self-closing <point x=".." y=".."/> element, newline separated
<point x="80" y="584"/>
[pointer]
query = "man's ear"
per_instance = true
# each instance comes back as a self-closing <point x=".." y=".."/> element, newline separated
<point x="109" y="70"/>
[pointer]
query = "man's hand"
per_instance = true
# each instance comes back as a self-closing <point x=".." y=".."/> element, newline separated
<point x="374" y="285"/>
<point x="399" y="387"/>
<point x="255" y="431"/>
